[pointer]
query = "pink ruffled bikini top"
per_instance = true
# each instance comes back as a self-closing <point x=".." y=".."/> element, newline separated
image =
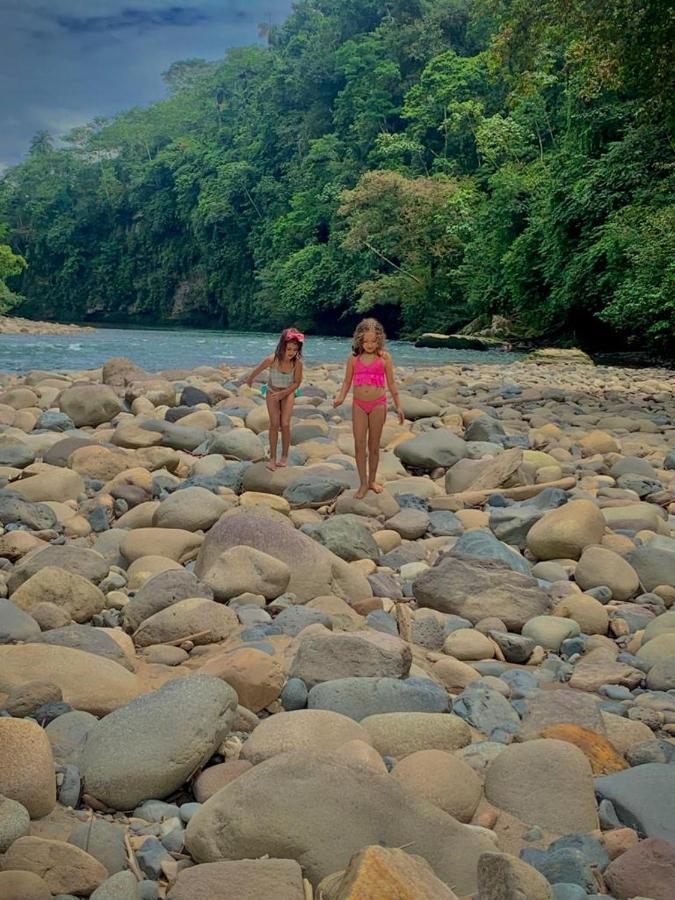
<point x="369" y="373"/>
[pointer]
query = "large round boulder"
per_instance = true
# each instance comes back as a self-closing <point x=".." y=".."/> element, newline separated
<point x="565" y="532"/>
<point x="280" y="808"/>
<point x="544" y="782"/>
<point x="89" y="404"/>
<point x="148" y="748"/>
<point x="315" y="571"/>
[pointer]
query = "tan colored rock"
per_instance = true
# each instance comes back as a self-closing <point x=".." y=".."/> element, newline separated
<point x="202" y="621"/>
<point x="566" y="531"/>
<point x="50" y="483"/>
<point x="546" y="783"/>
<point x="454" y="674"/>
<point x="272" y="501"/>
<point x="16" y="544"/>
<point x="317" y="730"/>
<point x="143" y="568"/>
<point x="467" y="643"/>
<point x="590" y="615"/>
<point x="132" y="436"/>
<point x="211" y="780"/>
<point x="400" y="734"/>
<point x="505" y="877"/>
<point x="64" y="867"/>
<point x="241" y="569"/>
<point x="598" y="442"/>
<point x="140" y="516"/>
<point x="98" y="462"/>
<point x="174" y="543"/>
<point x="256" y="676"/>
<point x="90" y="683"/>
<point x="385" y="873"/>
<point x="89" y="404"/>
<point x="27" y="766"/>
<point x="624" y="733"/>
<point x="243" y="879"/>
<point x="361" y="755"/>
<point x="23" y="886"/>
<point x="442" y="779"/>
<point x="600" y="566"/>
<point x="77" y="596"/>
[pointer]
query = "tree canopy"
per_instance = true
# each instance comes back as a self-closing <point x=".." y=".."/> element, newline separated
<point x="429" y="161"/>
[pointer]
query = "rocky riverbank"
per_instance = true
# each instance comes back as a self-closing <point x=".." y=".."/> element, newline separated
<point x="15" y="325"/>
<point x="217" y="681"/>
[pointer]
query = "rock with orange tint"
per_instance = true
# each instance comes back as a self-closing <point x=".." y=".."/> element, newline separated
<point x="256" y="676"/>
<point x="388" y="874"/>
<point x="600" y="753"/>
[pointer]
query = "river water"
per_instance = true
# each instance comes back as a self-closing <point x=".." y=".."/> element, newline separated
<point x="156" y="349"/>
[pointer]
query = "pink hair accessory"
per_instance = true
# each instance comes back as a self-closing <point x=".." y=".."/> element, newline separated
<point x="293" y="334"/>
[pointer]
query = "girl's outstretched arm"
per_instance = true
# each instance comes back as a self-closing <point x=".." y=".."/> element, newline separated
<point x="393" y="389"/>
<point x="265" y="364"/>
<point x="346" y="384"/>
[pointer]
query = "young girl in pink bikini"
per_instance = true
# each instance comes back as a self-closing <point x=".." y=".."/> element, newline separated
<point x="370" y="370"/>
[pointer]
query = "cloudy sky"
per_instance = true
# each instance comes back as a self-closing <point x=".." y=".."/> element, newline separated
<point x="62" y="62"/>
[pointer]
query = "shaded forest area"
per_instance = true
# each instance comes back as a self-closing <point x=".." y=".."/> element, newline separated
<point x="429" y="161"/>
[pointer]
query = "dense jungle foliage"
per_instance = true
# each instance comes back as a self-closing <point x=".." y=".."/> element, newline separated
<point x="430" y="161"/>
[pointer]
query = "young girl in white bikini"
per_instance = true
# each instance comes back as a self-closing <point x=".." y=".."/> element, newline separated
<point x="371" y="371"/>
<point x="285" y="376"/>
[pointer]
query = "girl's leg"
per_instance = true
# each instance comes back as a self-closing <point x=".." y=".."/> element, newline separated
<point x="360" y="429"/>
<point x="287" y="405"/>
<point x="274" y="411"/>
<point x="376" y="421"/>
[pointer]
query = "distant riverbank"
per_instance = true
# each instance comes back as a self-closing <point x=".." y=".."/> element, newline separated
<point x="15" y="325"/>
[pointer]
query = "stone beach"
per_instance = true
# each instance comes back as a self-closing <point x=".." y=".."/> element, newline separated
<point x="219" y="682"/>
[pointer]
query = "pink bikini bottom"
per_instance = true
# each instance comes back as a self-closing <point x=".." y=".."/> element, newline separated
<point x="369" y="405"/>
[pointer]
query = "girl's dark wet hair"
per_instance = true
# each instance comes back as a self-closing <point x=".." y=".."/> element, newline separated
<point x="364" y="326"/>
<point x="288" y="336"/>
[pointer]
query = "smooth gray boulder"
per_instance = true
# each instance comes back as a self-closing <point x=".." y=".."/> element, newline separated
<point x="643" y="797"/>
<point x="148" y="748"/>
<point x="438" y="447"/>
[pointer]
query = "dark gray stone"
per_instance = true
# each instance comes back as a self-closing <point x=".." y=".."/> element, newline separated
<point x="14" y="510"/>
<point x="15" y="624"/>
<point x="565" y="865"/>
<point x="486" y="709"/>
<point x="643" y="798"/>
<point x="309" y="490"/>
<point x="484" y="545"/>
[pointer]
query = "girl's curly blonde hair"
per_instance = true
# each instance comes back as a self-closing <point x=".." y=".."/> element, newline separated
<point x="364" y="326"/>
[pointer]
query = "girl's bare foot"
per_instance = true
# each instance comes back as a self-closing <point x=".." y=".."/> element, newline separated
<point x="271" y="465"/>
<point x="283" y="462"/>
<point x="361" y="493"/>
<point x="376" y="487"/>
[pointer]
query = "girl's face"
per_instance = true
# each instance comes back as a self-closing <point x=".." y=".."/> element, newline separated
<point x="291" y="352"/>
<point x="369" y="342"/>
